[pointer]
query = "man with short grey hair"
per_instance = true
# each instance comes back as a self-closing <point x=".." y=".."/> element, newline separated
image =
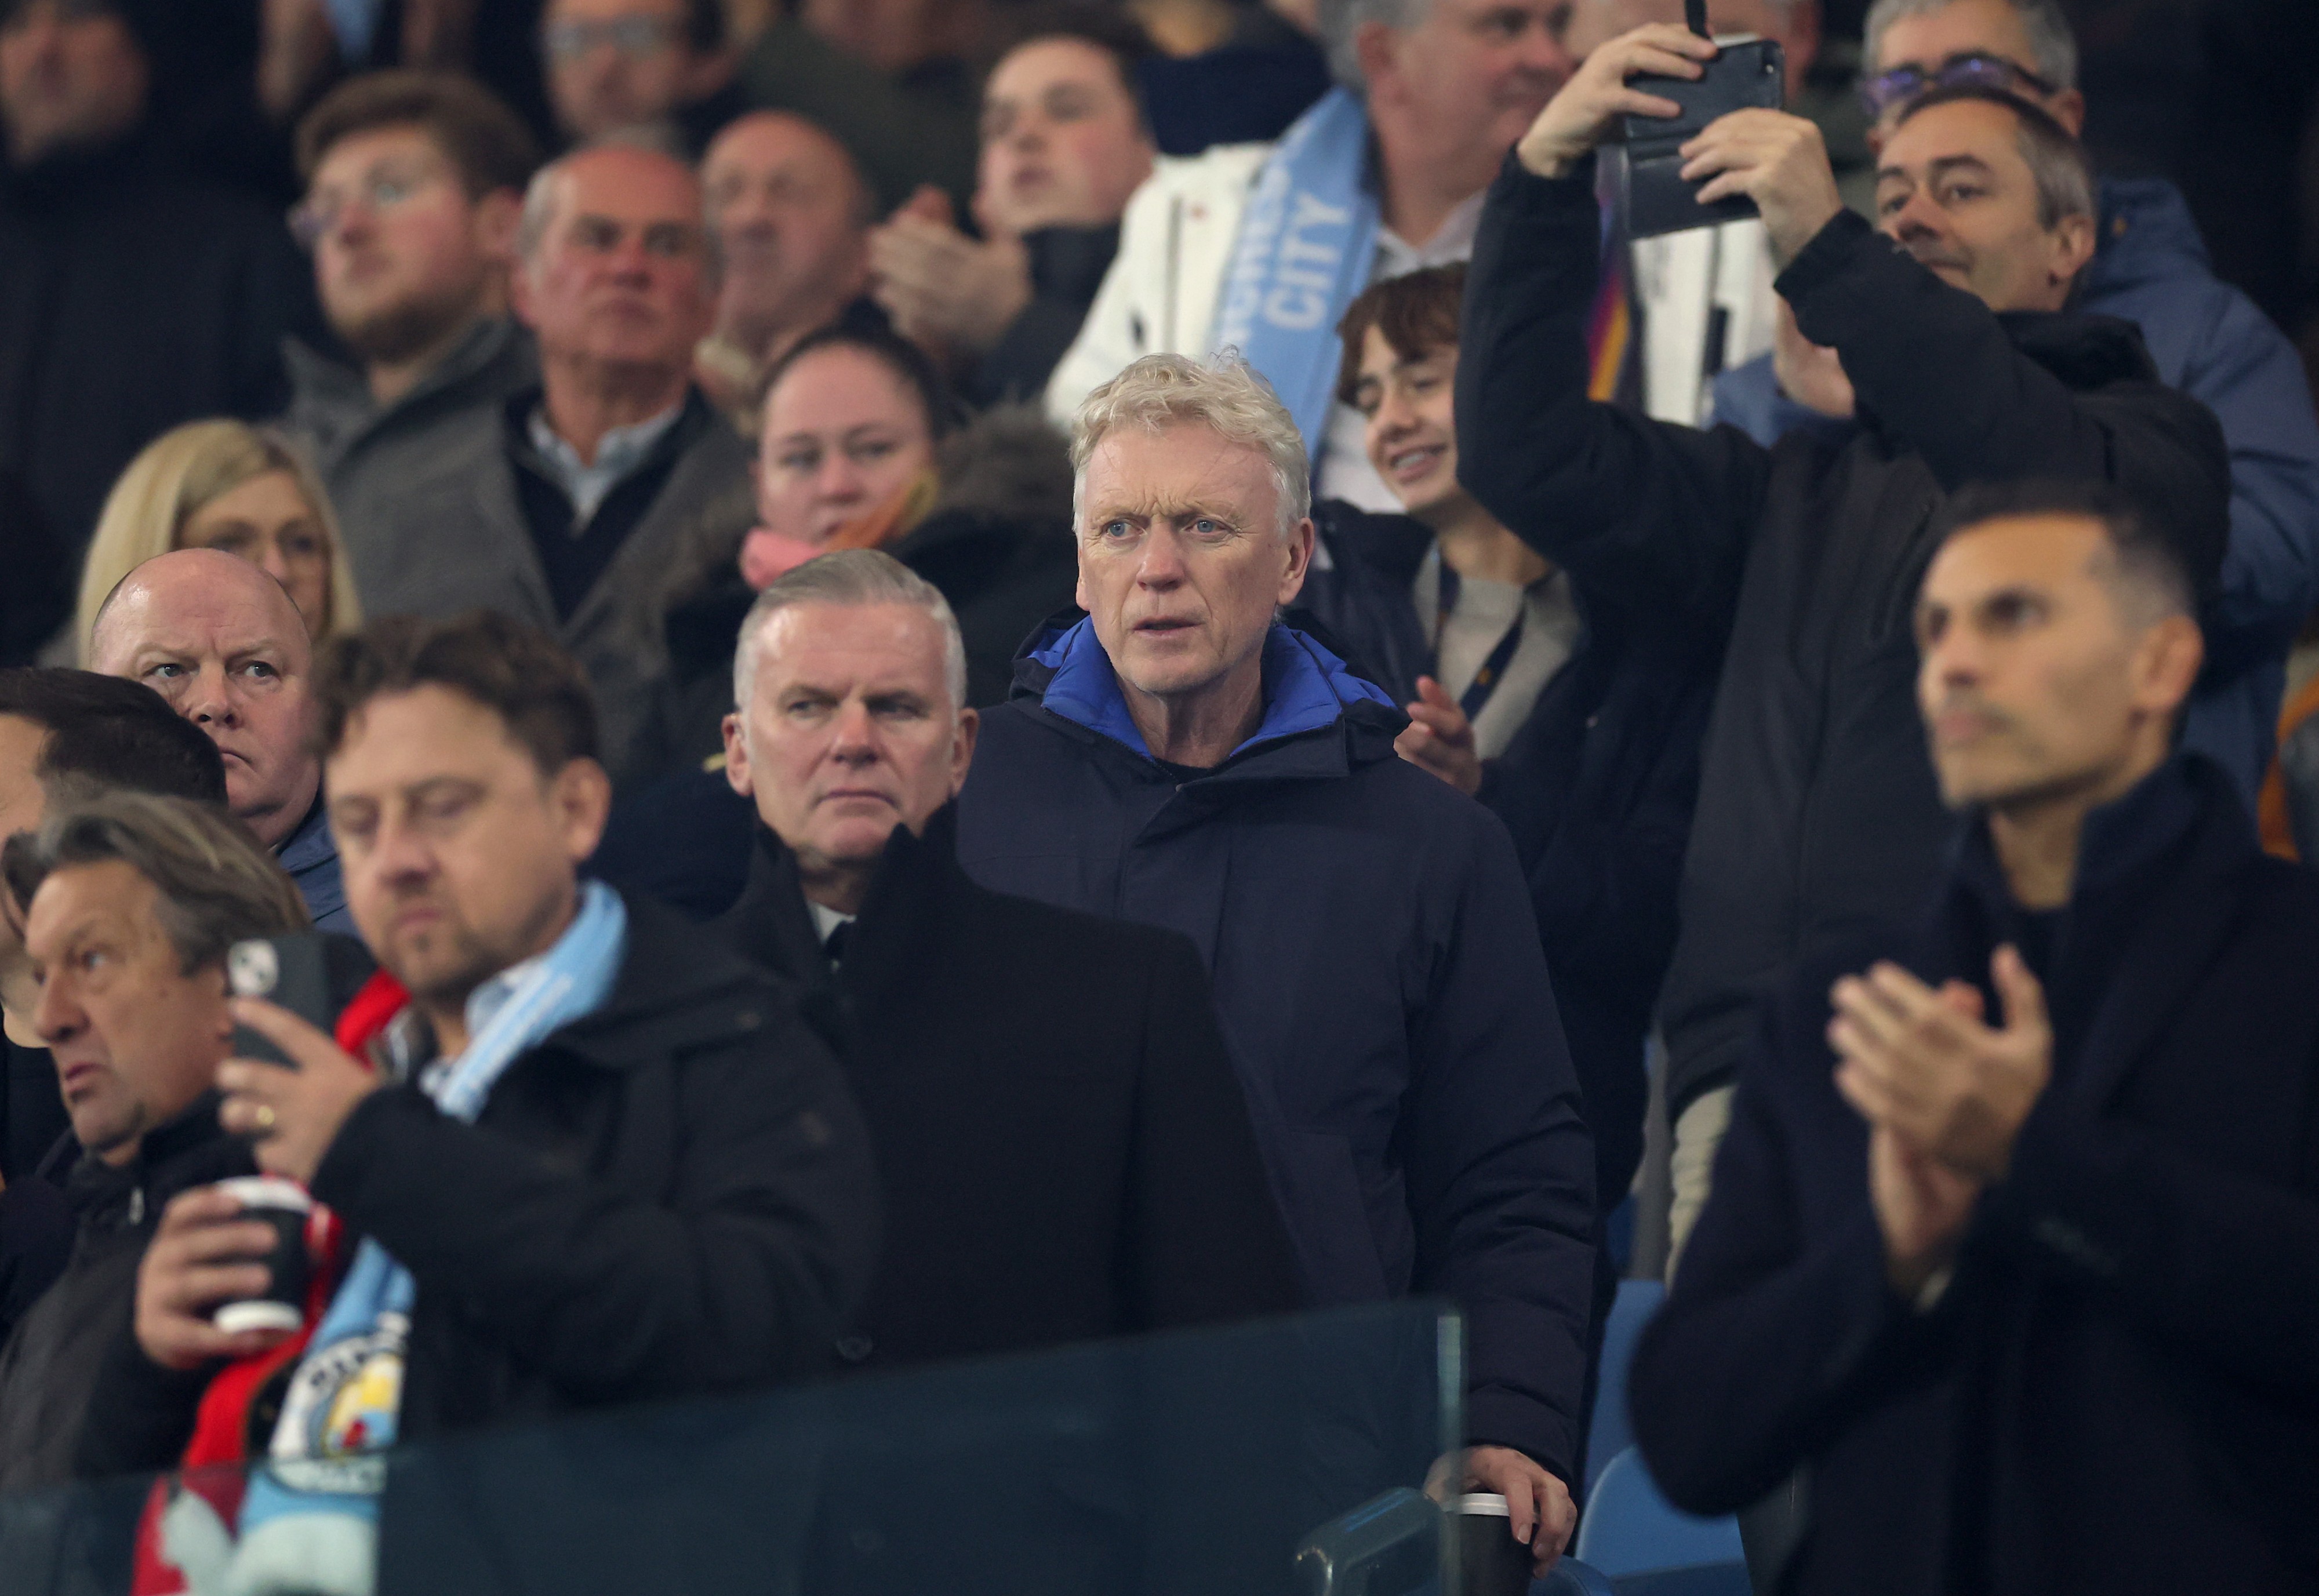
<point x="1261" y="246"/>
<point x="1181" y="758"/>
<point x="566" y="507"/>
<point x="982" y="1035"/>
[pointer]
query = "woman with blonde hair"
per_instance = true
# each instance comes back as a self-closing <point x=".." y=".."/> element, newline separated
<point x="227" y="485"/>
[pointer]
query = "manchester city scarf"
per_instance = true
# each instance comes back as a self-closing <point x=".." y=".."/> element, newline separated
<point x="309" y="1523"/>
<point x="1307" y="243"/>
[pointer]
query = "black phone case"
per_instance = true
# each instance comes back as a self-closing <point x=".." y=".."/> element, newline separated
<point x="314" y="974"/>
<point x="1657" y="198"/>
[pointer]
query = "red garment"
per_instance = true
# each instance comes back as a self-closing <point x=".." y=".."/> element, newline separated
<point x="220" y="1449"/>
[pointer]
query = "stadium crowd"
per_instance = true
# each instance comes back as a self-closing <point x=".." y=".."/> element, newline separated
<point x="945" y="677"/>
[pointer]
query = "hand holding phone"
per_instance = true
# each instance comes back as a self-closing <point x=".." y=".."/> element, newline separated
<point x="1662" y="194"/>
<point x="1589" y="108"/>
<point x="312" y="973"/>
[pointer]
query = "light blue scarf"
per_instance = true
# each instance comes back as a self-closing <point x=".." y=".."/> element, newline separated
<point x="1307" y="243"/>
<point x="309" y="1522"/>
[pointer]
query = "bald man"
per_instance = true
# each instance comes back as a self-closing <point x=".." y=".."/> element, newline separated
<point x="222" y="643"/>
<point x="571" y="502"/>
<point x="791" y="216"/>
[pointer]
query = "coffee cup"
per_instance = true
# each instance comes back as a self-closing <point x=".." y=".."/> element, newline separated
<point x="1490" y="1561"/>
<point x="284" y="1205"/>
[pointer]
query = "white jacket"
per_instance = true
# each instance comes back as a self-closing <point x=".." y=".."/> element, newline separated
<point x="1166" y="285"/>
<point x="1161" y="295"/>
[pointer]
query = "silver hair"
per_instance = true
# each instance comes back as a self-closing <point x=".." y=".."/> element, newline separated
<point x="1229" y="397"/>
<point x="1340" y="25"/>
<point x="540" y="198"/>
<point x="849" y="577"/>
<point x="2051" y="40"/>
<point x="2057" y="162"/>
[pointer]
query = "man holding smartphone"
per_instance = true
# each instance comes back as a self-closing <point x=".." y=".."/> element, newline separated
<point x="603" y="1160"/>
<point x="1817" y="808"/>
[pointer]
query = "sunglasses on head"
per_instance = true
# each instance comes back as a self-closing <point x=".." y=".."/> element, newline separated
<point x="1974" y="68"/>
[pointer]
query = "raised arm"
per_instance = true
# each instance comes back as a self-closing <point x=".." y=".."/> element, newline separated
<point x="1644" y="514"/>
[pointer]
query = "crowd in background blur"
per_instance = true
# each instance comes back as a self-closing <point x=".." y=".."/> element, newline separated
<point x="1207" y="507"/>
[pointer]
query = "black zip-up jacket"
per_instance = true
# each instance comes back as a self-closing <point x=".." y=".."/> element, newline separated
<point x="54" y="1355"/>
<point x="1818" y="814"/>
<point x="669" y="1197"/>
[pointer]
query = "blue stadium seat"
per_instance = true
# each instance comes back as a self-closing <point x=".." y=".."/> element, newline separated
<point x="1573" y="1578"/>
<point x="1631" y="1529"/>
<point x="1609" y="1435"/>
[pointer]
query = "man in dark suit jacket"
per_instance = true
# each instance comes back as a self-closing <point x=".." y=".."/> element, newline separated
<point x="1066" y="1151"/>
<point x="2012" y="1260"/>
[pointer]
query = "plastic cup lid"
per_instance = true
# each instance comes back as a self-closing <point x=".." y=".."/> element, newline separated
<point x="268" y="1191"/>
<point x="1486" y="1503"/>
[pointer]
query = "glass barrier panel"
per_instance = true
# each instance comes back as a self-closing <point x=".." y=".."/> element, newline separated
<point x="1198" y="1461"/>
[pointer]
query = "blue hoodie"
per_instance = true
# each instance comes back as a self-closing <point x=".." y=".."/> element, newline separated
<point x="2208" y="341"/>
<point x="1378" y="976"/>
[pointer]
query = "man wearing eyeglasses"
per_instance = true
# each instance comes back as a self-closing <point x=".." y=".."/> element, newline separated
<point x="2205" y="336"/>
<point x="630" y="66"/>
<point x="413" y="183"/>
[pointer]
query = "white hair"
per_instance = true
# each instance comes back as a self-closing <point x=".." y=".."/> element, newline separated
<point x="849" y="577"/>
<point x="2051" y="40"/>
<point x="1229" y="398"/>
<point x="1340" y="25"/>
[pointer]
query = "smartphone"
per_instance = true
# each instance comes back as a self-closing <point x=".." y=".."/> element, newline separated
<point x="314" y="974"/>
<point x="1656" y="199"/>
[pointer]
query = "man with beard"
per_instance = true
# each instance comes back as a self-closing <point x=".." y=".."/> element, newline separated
<point x="413" y="183"/>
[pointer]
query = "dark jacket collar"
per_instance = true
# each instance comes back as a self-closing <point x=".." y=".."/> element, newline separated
<point x="913" y="894"/>
<point x="2150" y="907"/>
<point x="311" y="842"/>
<point x="678" y="989"/>
<point x="171" y="1156"/>
<point x="1320" y="720"/>
<point x="695" y="418"/>
<point x="496" y="354"/>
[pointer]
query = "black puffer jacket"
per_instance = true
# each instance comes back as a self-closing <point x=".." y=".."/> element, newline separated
<point x="53" y="1356"/>
<point x="672" y="1196"/>
<point x="1817" y="813"/>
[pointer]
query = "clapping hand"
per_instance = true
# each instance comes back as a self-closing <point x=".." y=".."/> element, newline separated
<point x="1945" y="1092"/>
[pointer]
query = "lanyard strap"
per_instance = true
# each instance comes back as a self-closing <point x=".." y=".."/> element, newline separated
<point x="1494" y="668"/>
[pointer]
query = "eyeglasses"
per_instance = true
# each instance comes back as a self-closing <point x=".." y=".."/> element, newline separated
<point x="314" y="217"/>
<point x="638" y="38"/>
<point x="1973" y="70"/>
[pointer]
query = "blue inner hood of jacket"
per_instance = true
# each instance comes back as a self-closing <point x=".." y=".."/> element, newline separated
<point x="1305" y="687"/>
